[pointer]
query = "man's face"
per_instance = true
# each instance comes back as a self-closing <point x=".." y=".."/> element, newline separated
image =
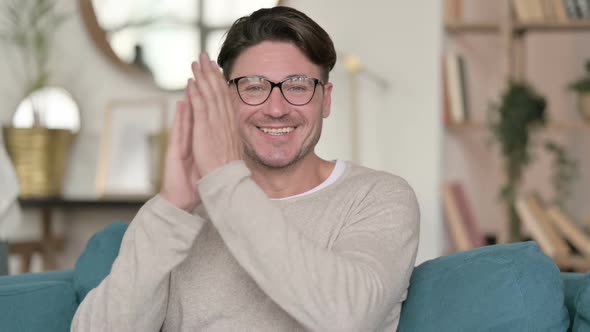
<point x="277" y="134"/>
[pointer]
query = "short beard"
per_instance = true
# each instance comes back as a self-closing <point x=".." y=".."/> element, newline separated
<point x="306" y="150"/>
<point x="253" y="156"/>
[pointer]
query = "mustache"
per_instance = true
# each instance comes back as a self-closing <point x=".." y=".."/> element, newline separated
<point x="287" y="121"/>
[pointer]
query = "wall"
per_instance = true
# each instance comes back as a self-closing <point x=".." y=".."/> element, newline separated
<point x="399" y="128"/>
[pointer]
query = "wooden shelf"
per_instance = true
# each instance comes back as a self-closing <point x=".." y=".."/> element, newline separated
<point x="467" y="126"/>
<point x="59" y="202"/>
<point x="493" y="28"/>
<point x="50" y="244"/>
<point x="552" y="126"/>
<point x="574" y="25"/>
<point x="459" y="28"/>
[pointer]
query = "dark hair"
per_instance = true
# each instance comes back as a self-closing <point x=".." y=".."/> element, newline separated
<point x="283" y="24"/>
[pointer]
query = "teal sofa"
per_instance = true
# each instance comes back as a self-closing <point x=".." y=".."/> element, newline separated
<point x="511" y="287"/>
<point x="3" y="258"/>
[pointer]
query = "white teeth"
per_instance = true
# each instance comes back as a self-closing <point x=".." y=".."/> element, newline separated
<point x="277" y="131"/>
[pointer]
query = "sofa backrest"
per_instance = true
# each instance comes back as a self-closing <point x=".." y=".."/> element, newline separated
<point x="513" y="287"/>
<point x="510" y="287"/>
<point x="95" y="262"/>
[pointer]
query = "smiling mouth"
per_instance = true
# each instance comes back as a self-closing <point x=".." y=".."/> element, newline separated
<point x="276" y="131"/>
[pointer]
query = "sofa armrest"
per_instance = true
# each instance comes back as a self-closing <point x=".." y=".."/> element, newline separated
<point x="573" y="283"/>
<point x="37" y="306"/>
<point x="63" y="275"/>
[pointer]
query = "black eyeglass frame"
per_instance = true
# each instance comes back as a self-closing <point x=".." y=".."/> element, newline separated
<point x="273" y="85"/>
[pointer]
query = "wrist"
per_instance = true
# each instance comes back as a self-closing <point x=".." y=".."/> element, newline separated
<point x="181" y="203"/>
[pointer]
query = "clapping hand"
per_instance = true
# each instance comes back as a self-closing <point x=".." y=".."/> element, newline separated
<point x="215" y="136"/>
<point x="203" y="136"/>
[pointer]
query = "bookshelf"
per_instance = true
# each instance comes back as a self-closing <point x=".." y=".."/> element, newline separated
<point x="551" y="126"/>
<point x="579" y="25"/>
<point x="518" y="28"/>
<point x="459" y="28"/>
<point x="513" y="36"/>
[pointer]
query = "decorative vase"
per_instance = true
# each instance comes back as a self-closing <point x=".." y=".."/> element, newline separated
<point x="158" y="144"/>
<point x="39" y="156"/>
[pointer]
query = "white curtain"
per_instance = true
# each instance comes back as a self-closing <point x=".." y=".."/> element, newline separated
<point x="10" y="213"/>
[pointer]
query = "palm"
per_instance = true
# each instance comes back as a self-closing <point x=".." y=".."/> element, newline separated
<point x="180" y="178"/>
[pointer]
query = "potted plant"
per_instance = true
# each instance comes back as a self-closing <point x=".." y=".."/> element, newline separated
<point x="519" y="114"/>
<point x="565" y="171"/>
<point x="582" y="87"/>
<point x="38" y="153"/>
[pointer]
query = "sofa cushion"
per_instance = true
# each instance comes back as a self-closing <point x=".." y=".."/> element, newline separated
<point x="60" y="275"/>
<point x="511" y="287"/>
<point x="574" y="284"/>
<point x="581" y="321"/>
<point x="37" y="307"/>
<point x="97" y="258"/>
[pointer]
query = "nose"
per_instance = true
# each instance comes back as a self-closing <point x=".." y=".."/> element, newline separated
<point x="276" y="106"/>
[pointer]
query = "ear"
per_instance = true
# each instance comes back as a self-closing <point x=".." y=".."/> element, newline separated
<point x="327" y="102"/>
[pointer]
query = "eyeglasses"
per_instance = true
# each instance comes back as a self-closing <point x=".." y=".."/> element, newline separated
<point x="255" y="90"/>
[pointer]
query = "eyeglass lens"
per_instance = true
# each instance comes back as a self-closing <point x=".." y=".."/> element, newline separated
<point x="297" y="90"/>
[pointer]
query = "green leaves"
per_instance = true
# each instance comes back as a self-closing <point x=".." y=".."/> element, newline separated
<point x="520" y="112"/>
<point x="565" y="170"/>
<point x="583" y="83"/>
<point x="30" y="26"/>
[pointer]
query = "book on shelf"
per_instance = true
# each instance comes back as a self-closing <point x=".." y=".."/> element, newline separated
<point x="554" y="11"/>
<point x="464" y="229"/>
<point x="568" y="228"/>
<point x="572" y="9"/>
<point x="528" y="11"/>
<point x="561" y="15"/>
<point x="542" y="228"/>
<point x="446" y="103"/>
<point x="530" y="212"/>
<point x="455" y="88"/>
<point x="547" y="11"/>
<point x="583" y="8"/>
<point x="550" y="11"/>
<point x="453" y="11"/>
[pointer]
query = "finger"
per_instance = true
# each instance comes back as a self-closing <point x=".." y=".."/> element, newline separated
<point x="226" y="98"/>
<point x="200" y="76"/>
<point x="197" y="103"/>
<point x="222" y="87"/>
<point x="186" y="129"/>
<point x="217" y="83"/>
<point x="225" y="110"/>
<point x="230" y="112"/>
<point x="203" y="79"/>
<point x="189" y="119"/>
<point x="176" y="132"/>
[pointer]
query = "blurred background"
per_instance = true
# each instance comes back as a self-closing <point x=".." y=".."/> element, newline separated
<point x="422" y="89"/>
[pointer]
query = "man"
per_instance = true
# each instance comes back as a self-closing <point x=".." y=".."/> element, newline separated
<point x="252" y="231"/>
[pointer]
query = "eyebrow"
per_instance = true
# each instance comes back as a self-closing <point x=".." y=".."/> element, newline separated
<point x="287" y="77"/>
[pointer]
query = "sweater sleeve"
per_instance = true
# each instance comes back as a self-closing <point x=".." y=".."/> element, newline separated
<point x="134" y="296"/>
<point x="354" y="285"/>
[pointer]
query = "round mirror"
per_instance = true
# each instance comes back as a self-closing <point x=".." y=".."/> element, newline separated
<point x="160" y="39"/>
<point x="54" y="108"/>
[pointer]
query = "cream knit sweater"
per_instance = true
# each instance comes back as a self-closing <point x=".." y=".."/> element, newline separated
<point x="338" y="259"/>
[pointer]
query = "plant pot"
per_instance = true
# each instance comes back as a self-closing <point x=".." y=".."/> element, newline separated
<point x="158" y="144"/>
<point x="39" y="156"/>
<point x="584" y="105"/>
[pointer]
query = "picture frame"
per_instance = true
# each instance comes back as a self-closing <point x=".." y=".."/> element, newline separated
<point x="131" y="149"/>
